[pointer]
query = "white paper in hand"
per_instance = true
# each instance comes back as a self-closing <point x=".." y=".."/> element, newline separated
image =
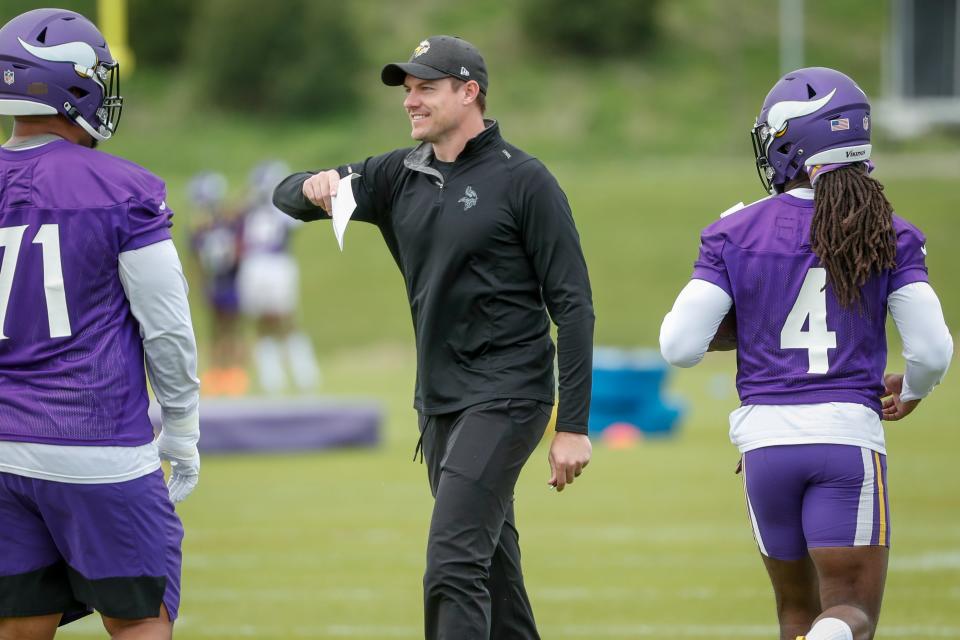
<point x="343" y="206"/>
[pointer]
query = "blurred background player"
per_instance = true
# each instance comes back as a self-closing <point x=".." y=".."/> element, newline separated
<point x="268" y="283"/>
<point x="215" y="240"/>
<point x="810" y="273"/>
<point x="90" y="285"/>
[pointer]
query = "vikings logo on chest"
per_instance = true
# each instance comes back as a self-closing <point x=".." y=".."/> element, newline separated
<point x="469" y="199"/>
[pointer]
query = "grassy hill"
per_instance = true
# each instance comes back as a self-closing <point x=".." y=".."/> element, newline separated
<point x="650" y="543"/>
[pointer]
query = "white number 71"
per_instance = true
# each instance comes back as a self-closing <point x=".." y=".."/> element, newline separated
<point x="811" y="303"/>
<point x="48" y="237"/>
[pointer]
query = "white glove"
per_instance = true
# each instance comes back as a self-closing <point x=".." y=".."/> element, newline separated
<point x="180" y="450"/>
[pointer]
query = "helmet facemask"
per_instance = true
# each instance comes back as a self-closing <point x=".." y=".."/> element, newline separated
<point x="107" y="77"/>
<point x="762" y="137"/>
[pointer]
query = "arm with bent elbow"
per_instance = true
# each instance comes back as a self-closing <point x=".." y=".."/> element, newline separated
<point x="689" y="328"/>
<point x="927" y="347"/>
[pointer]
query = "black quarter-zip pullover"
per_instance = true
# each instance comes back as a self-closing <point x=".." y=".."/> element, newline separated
<point x="486" y="248"/>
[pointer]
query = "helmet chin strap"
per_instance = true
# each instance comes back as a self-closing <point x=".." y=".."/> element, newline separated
<point x="82" y="122"/>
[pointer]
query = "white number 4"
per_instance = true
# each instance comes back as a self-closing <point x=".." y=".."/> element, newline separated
<point x="812" y="304"/>
<point x="48" y="237"/>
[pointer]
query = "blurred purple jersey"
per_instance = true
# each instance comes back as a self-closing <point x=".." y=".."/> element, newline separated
<point x="796" y="345"/>
<point x="71" y="356"/>
<point x="216" y="244"/>
<point x="266" y="230"/>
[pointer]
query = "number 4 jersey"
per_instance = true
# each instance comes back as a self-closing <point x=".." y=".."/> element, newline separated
<point x="795" y="343"/>
<point x="71" y="356"/>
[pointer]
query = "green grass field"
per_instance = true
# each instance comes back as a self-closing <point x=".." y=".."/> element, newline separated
<point x="650" y="543"/>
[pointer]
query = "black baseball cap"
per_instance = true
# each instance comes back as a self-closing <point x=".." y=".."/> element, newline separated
<point x="439" y="57"/>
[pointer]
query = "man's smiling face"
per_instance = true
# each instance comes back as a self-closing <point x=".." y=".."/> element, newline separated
<point x="435" y="107"/>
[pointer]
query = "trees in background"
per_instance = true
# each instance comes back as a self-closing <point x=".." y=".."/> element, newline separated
<point x="604" y="28"/>
<point x="290" y="58"/>
<point x="303" y="57"/>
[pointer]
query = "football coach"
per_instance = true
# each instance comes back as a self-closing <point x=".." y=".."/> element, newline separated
<point x="487" y="246"/>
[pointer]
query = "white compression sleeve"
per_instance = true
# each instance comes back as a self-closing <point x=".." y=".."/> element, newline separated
<point x="687" y="330"/>
<point x="153" y="281"/>
<point x="927" y="344"/>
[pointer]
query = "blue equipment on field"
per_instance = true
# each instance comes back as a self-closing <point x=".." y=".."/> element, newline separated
<point x="628" y="388"/>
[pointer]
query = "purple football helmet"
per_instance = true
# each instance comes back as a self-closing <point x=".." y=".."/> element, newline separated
<point x="56" y="61"/>
<point x="811" y="117"/>
<point x="207" y="190"/>
<point x="265" y="177"/>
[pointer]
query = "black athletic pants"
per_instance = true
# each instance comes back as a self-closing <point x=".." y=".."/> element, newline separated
<point x="473" y="586"/>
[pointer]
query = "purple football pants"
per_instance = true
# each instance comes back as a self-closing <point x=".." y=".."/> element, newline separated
<point x="72" y="548"/>
<point x="816" y="495"/>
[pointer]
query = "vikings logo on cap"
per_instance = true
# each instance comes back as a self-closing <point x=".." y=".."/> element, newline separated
<point x="422" y="48"/>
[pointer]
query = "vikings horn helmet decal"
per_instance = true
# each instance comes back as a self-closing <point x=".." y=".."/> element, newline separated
<point x="793" y="131"/>
<point x="781" y="112"/>
<point x="79" y="53"/>
<point x="66" y="54"/>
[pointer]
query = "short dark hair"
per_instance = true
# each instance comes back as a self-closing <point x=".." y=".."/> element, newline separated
<point x="456" y="83"/>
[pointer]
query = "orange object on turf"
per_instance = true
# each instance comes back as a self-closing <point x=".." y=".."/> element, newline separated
<point x="234" y="382"/>
<point x="621" y="435"/>
<point x="211" y="382"/>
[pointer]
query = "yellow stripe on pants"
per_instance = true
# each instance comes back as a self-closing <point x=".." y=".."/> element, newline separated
<point x="881" y="501"/>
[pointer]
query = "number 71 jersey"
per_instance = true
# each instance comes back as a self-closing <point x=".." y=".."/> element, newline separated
<point x="71" y="354"/>
<point x="795" y="343"/>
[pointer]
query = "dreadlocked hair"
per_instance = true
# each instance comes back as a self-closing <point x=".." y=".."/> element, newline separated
<point x="852" y="230"/>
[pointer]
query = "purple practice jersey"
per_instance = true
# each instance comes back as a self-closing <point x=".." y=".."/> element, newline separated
<point x="795" y="344"/>
<point x="266" y="230"/>
<point x="216" y="245"/>
<point x="71" y="356"/>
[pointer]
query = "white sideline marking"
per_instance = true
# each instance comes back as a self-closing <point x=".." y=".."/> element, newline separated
<point x="931" y="561"/>
<point x="542" y="594"/>
<point x="201" y="629"/>
<point x="274" y="560"/>
<point x="338" y="594"/>
<point x="547" y="594"/>
<point x="645" y="533"/>
<point x="349" y="631"/>
<point x="725" y="631"/>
